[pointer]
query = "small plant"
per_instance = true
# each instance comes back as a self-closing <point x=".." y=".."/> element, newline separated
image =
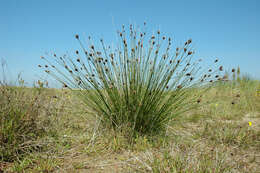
<point x="19" y="128"/>
<point x="141" y="85"/>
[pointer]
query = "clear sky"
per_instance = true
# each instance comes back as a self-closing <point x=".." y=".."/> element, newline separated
<point x="228" y="29"/>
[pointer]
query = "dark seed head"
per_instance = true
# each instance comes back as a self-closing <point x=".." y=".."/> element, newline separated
<point x="92" y="47"/>
<point x="210" y="70"/>
<point x="77" y="36"/>
<point x="39" y="66"/>
<point x="185" y="49"/>
<point x="188" y="74"/>
<point x="199" y="100"/>
<point x="233" y="70"/>
<point x="221" y="68"/>
<point x="78" y="60"/>
<point x="179" y="86"/>
<point x="164" y="38"/>
<point x="216" y="60"/>
<point x="189" y="53"/>
<point x="77" y="52"/>
<point x="232" y="102"/>
<point x="46" y="66"/>
<point x="164" y="57"/>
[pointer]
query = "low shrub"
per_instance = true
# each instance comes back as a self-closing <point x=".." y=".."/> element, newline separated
<point x="20" y="124"/>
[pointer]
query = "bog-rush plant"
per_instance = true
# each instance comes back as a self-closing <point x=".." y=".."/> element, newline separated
<point x="142" y="84"/>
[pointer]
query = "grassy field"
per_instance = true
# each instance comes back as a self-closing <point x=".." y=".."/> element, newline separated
<point x="220" y="136"/>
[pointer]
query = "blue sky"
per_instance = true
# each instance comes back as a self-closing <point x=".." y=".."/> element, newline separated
<point x="228" y="29"/>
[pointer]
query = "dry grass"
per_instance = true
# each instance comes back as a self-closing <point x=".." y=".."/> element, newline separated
<point x="213" y="138"/>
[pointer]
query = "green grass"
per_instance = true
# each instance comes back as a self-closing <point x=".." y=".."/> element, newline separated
<point x="208" y="139"/>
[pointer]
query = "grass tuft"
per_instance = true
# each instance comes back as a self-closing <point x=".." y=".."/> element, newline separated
<point x="141" y="85"/>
